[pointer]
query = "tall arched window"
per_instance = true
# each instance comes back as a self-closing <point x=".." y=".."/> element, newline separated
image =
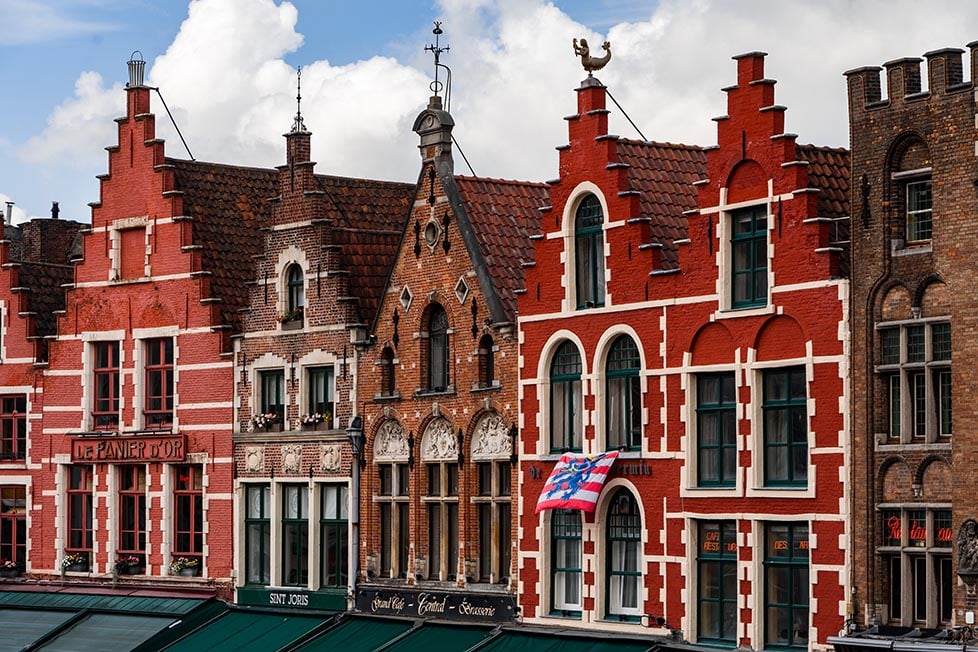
<point x="566" y="561"/>
<point x="624" y="538"/>
<point x="624" y="395"/>
<point x="566" y="424"/>
<point x="487" y="365"/>
<point x="438" y="349"/>
<point x="589" y="253"/>
<point x="387" y="372"/>
<point x="296" y="292"/>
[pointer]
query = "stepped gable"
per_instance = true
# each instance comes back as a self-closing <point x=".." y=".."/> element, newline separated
<point x="229" y="204"/>
<point x="503" y="214"/>
<point x="828" y="170"/>
<point x="664" y="174"/>
<point x="46" y="294"/>
<point x="368" y="219"/>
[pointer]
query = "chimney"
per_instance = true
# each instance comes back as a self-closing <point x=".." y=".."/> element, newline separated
<point x="434" y="126"/>
<point x="55" y="211"/>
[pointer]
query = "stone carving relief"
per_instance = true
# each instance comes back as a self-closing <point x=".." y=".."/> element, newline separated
<point x="491" y="441"/>
<point x="254" y="459"/>
<point x="391" y="445"/>
<point x="968" y="547"/>
<point x="291" y="458"/>
<point x="329" y="458"/>
<point x="439" y="441"/>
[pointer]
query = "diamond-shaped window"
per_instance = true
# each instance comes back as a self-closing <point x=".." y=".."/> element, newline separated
<point x="406" y="298"/>
<point x="461" y="289"/>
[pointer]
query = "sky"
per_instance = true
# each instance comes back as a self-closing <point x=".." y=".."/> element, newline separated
<point x="227" y="71"/>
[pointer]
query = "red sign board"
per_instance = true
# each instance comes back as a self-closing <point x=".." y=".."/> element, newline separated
<point x="138" y="448"/>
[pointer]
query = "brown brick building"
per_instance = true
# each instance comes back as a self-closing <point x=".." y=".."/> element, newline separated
<point x="913" y="338"/>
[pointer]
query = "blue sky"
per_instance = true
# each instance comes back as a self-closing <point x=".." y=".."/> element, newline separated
<point x="226" y="69"/>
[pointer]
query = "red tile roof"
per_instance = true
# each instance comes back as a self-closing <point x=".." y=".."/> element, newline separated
<point x="503" y="215"/>
<point x="828" y="170"/>
<point x="664" y="173"/>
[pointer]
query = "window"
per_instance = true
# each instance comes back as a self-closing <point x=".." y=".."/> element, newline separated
<point x="321" y="393"/>
<point x="258" y="528"/>
<point x="395" y="533"/>
<point x="624" y="557"/>
<point x="272" y="399"/>
<point x="106" y="408"/>
<point x="566" y="416"/>
<point x="915" y="377"/>
<point x="188" y="500"/>
<point x="333" y="536"/>
<point x="786" y="585"/>
<point x="159" y="382"/>
<point x="13" y="427"/>
<point x="80" y="496"/>
<point x="132" y="511"/>
<point x="749" y="257"/>
<point x="565" y="564"/>
<point x="916" y="546"/>
<point x="438" y="356"/>
<point x="13" y="525"/>
<point x="716" y="562"/>
<point x="132" y="253"/>
<point x="295" y="535"/>
<point x="442" y="507"/>
<point x="589" y="253"/>
<point x="387" y="372"/>
<point x="493" y="504"/>
<point x="487" y="362"/>
<point x="919" y="211"/>
<point x="296" y="292"/>
<point x="716" y="430"/>
<point x="624" y="392"/>
<point x="785" y="427"/>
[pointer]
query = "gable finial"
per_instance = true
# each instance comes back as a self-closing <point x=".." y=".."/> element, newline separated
<point x="436" y="49"/>
<point x="592" y="63"/>
<point x="298" y="124"/>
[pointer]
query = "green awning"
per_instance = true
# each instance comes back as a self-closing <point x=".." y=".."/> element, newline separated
<point x="100" y="632"/>
<point x="78" y="601"/>
<point x="512" y="641"/>
<point x="444" y="638"/>
<point x="245" y="631"/>
<point x="17" y="630"/>
<point x="357" y="634"/>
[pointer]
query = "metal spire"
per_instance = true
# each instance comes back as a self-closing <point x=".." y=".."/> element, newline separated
<point x="298" y="124"/>
<point x="436" y="49"/>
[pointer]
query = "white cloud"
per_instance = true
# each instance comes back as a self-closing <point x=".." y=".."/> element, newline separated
<point x="33" y="21"/>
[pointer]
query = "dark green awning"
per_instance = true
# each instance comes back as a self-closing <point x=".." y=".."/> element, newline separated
<point x="249" y="631"/>
<point x="513" y="641"/>
<point x="17" y="630"/>
<point x="100" y="632"/>
<point x="357" y="635"/>
<point x="441" y="637"/>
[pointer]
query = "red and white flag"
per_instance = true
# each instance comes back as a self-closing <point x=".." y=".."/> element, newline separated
<point x="576" y="481"/>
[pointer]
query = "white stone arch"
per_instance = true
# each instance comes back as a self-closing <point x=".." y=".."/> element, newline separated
<point x="598" y="534"/>
<point x="490" y="438"/>
<point x="599" y="377"/>
<point x="438" y="443"/>
<point x="390" y="443"/>
<point x="543" y="385"/>
<point x="568" y="221"/>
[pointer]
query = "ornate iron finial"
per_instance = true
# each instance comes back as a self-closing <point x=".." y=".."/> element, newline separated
<point x="592" y="63"/>
<point x="436" y="49"/>
<point x="298" y="124"/>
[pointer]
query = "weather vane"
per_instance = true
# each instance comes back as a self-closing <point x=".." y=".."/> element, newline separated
<point x="436" y="49"/>
<point x="298" y="124"/>
<point x="592" y="63"/>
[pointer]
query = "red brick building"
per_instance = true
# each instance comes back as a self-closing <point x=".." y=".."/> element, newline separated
<point x="438" y="391"/>
<point x="688" y="307"/>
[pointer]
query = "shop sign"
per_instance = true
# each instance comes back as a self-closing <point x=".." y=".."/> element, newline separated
<point x="129" y="448"/>
<point x="466" y="607"/>
<point x="292" y="599"/>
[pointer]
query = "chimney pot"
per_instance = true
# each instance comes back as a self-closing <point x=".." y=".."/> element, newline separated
<point x="10" y="212"/>
<point x="55" y="211"/>
<point x="137" y="66"/>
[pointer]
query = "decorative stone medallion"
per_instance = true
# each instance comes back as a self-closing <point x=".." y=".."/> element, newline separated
<point x="491" y="441"/>
<point x="254" y="459"/>
<point x="439" y="441"/>
<point x="291" y="458"/>
<point x="329" y="458"/>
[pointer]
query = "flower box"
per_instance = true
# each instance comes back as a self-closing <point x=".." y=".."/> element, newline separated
<point x="189" y="572"/>
<point x="9" y="573"/>
<point x="77" y="568"/>
<point x="129" y="570"/>
<point x="292" y="325"/>
<point x="322" y="425"/>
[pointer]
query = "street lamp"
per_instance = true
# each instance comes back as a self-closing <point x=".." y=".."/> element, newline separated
<point x="354" y="432"/>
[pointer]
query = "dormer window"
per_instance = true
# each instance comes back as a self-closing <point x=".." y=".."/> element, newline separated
<point x="589" y="253"/>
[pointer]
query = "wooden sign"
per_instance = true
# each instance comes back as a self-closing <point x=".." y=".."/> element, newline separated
<point x="129" y="448"/>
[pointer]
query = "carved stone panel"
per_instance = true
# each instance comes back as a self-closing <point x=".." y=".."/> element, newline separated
<point x="439" y="442"/>
<point x="329" y="458"/>
<point x="255" y="459"/>
<point x="391" y="445"/>
<point x="291" y="458"/>
<point x="491" y="441"/>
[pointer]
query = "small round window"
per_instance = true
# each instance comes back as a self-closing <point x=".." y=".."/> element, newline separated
<point x="431" y="233"/>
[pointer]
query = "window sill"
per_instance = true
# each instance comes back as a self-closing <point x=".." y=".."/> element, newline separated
<point x="482" y="389"/>
<point x="745" y="311"/>
<point x="564" y="615"/>
<point x="898" y="248"/>
<point x="387" y="398"/>
<point x="426" y="393"/>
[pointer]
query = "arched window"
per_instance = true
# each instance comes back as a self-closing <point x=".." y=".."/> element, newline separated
<point x="566" y="424"/>
<point x="438" y="349"/>
<point x="624" y="394"/>
<point x="387" y="372"/>
<point x="589" y="253"/>
<point x="624" y="539"/>
<point x="296" y="293"/>
<point x="566" y="560"/>
<point x="487" y="364"/>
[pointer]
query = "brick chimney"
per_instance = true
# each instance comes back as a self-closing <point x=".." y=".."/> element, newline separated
<point x="434" y="126"/>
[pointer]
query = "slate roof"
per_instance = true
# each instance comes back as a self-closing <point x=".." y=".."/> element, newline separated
<point x="664" y="173"/>
<point x="503" y="215"/>
<point x="46" y="295"/>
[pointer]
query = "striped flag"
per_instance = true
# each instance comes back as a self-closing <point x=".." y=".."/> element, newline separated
<point x="576" y="481"/>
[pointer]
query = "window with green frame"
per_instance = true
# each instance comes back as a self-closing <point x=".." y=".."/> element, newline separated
<point x="334" y="524"/>
<point x="258" y="529"/>
<point x="786" y="585"/>
<point x="565" y="565"/>
<point x="589" y="253"/>
<point x="785" y="427"/>
<point x="624" y="530"/>
<point x="566" y="417"/>
<point x="624" y="395"/>
<point x="296" y="287"/>
<point x="716" y="430"/>
<point x="716" y="562"/>
<point x="295" y="535"/>
<point x="749" y="257"/>
<point x="272" y="399"/>
<point x="321" y="392"/>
